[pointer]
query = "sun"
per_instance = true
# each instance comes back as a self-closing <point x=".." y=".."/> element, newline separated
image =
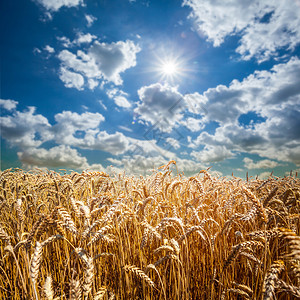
<point x="169" y="68"/>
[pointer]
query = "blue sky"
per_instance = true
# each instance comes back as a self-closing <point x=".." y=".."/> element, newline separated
<point x="86" y="85"/>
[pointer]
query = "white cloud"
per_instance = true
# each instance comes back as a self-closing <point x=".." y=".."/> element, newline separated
<point x="262" y="164"/>
<point x="173" y="143"/>
<point x="212" y="154"/>
<point x="148" y="147"/>
<point x="140" y="164"/>
<point x="125" y="128"/>
<point x="69" y="123"/>
<point x="71" y="79"/>
<point x="90" y="20"/>
<point x="81" y="63"/>
<point x="28" y="131"/>
<point x="84" y="38"/>
<point x="160" y="105"/>
<point x="273" y="95"/>
<point x="56" y="157"/>
<point x="77" y="121"/>
<point x="115" y="58"/>
<point x="65" y="41"/>
<point x="49" y="49"/>
<point x="92" y="83"/>
<point x="222" y="104"/>
<point x="102" y="61"/>
<point x="55" y="5"/>
<point x="196" y="103"/>
<point x="59" y="156"/>
<point x="122" y="101"/>
<point x="82" y="130"/>
<point x="119" y="97"/>
<point x="264" y="175"/>
<point x="102" y="104"/>
<point x="25" y="129"/>
<point x="116" y="143"/>
<point x="193" y="124"/>
<point x="264" y="26"/>
<point x="8" y="104"/>
<point x="37" y="51"/>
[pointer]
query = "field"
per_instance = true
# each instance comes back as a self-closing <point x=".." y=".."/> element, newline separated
<point x="164" y="236"/>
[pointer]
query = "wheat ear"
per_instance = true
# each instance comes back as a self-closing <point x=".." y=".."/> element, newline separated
<point x="75" y="290"/>
<point x="271" y="279"/>
<point x="88" y="277"/>
<point x="288" y="288"/>
<point x="48" y="288"/>
<point x="36" y="261"/>
<point x="139" y="273"/>
<point x="101" y="293"/>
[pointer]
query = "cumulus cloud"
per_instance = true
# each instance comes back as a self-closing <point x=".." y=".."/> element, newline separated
<point x="59" y="156"/>
<point x="77" y="121"/>
<point x="212" y="154"/>
<point x="262" y="164"/>
<point x="71" y="131"/>
<point x="81" y="130"/>
<point x="149" y="148"/>
<point x="29" y="130"/>
<point x="275" y="96"/>
<point x="8" y="104"/>
<point x="264" y="26"/>
<point x="84" y="38"/>
<point x="119" y="97"/>
<point x="92" y="83"/>
<point x="102" y="62"/>
<point x="160" y="105"/>
<point x="55" y="5"/>
<point x="115" y="143"/>
<point x="193" y="124"/>
<point x="139" y="164"/>
<point x="173" y="143"/>
<point x="69" y="123"/>
<point x="113" y="59"/>
<point x="64" y="41"/>
<point x="71" y="79"/>
<point x="25" y="129"/>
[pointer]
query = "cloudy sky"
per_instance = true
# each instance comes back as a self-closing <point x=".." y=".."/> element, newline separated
<point x="89" y="84"/>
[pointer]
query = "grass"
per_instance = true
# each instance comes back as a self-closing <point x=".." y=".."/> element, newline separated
<point x="95" y="236"/>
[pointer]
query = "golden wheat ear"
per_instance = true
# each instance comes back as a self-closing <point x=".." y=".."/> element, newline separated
<point x="88" y="277"/>
<point x="36" y="261"/>
<point x="75" y="290"/>
<point x="271" y="279"/>
<point x="48" y="291"/>
<point x="139" y="273"/>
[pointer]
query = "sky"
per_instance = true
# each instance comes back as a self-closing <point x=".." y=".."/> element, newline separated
<point x="128" y="85"/>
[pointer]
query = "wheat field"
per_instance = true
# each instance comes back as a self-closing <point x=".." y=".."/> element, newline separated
<point x="162" y="236"/>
